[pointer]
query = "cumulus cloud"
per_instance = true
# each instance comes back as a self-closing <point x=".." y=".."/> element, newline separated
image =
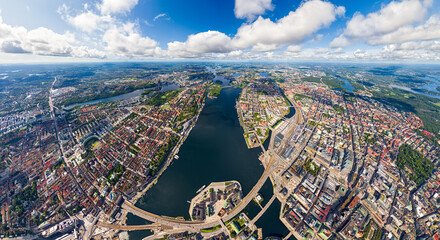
<point x="42" y="41"/>
<point x="197" y="44"/>
<point x="12" y="46"/>
<point x="401" y="26"/>
<point x="405" y="52"/>
<point x="116" y="6"/>
<point x="413" y="51"/>
<point x="388" y="19"/>
<point x="251" y="8"/>
<point x="126" y="40"/>
<point x="294" y="48"/>
<point x="118" y="38"/>
<point x="322" y="51"/>
<point x="261" y="47"/>
<point x="391" y="24"/>
<point x="326" y="51"/>
<point x="235" y="54"/>
<point x="338" y="51"/>
<point x="430" y="30"/>
<point x="361" y="54"/>
<point x="310" y="17"/>
<point x="262" y="35"/>
<point x="89" y="21"/>
<point x="340" y="41"/>
<point x="424" y="45"/>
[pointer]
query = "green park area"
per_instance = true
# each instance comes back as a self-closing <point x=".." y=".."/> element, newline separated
<point x="163" y="97"/>
<point x="418" y="167"/>
<point x="215" y="89"/>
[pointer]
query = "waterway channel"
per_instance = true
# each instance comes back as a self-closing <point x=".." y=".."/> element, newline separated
<point x="215" y="150"/>
<point x="135" y="93"/>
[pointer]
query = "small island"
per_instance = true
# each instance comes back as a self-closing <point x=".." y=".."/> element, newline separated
<point x="216" y="200"/>
<point x="215" y="89"/>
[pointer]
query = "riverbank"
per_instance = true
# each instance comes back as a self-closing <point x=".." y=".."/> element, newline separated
<point x="128" y="95"/>
<point x="170" y="158"/>
<point x="214" y="151"/>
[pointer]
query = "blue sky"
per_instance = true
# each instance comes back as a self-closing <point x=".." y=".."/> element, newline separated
<point x="273" y="30"/>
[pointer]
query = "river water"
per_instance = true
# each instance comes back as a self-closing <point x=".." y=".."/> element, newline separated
<point x="347" y="85"/>
<point x="135" y="93"/>
<point x="215" y="150"/>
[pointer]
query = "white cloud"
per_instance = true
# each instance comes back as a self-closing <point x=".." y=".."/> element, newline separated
<point x="338" y="51"/>
<point x="88" y="21"/>
<point x="310" y="17"/>
<point x="116" y="6"/>
<point x="125" y="40"/>
<point x="423" y="45"/>
<point x="326" y="51"/>
<point x="340" y="41"/>
<point x="251" y="8"/>
<point x="116" y="37"/>
<point x="147" y="23"/>
<point x="322" y="51"/>
<point x="197" y="44"/>
<point x="316" y="39"/>
<point x="42" y="41"/>
<point x="293" y="48"/>
<point x="86" y="52"/>
<point x="388" y="19"/>
<point x="361" y="54"/>
<point x="235" y="54"/>
<point x="415" y="50"/>
<point x="262" y="35"/>
<point x="393" y="23"/>
<point x="405" y="52"/>
<point x="430" y="30"/>
<point x="261" y="47"/>
<point x="161" y="15"/>
<point x="421" y="51"/>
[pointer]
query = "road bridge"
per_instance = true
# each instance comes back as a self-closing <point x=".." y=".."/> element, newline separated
<point x="133" y="227"/>
<point x="253" y="221"/>
<point x="197" y="225"/>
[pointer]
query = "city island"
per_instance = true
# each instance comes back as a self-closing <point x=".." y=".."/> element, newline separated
<point x="330" y="156"/>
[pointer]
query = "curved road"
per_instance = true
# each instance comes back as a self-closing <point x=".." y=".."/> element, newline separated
<point x="197" y="225"/>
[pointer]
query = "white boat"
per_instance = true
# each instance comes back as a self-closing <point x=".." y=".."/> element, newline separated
<point x="188" y="202"/>
<point x="176" y="156"/>
<point x="200" y="189"/>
